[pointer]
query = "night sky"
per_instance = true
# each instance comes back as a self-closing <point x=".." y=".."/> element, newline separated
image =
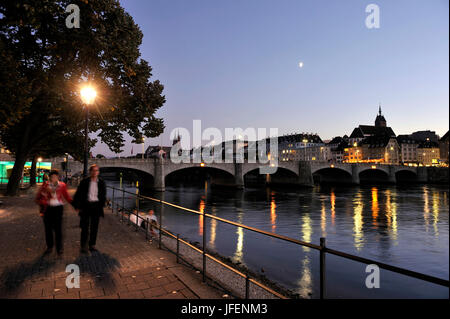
<point x="236" y="64"/>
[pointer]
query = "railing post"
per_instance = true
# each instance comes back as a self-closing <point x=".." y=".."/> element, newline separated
<point x="112" y="201"/>
<point x="146" y="227"/>
<point x="204" y="246"/>
<point x="322" y="268"/>
<point x="123" y="205"/>
<point x="247" y="286"/>
<point x="137" y="212"/>
<point x="160" y="225"/>
<point x="178" y="248"/>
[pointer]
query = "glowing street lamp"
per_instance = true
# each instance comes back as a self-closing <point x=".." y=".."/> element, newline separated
<point x="88" y="95"/>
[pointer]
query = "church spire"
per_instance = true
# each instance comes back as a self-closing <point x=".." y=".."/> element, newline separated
<point x="380" y="120"/>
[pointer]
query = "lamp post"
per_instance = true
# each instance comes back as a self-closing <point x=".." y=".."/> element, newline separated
<point x="39" y="166"/>
<point x="66" y="159"/>
<point x="143" y="147"/>
<point x="88" y="95"/>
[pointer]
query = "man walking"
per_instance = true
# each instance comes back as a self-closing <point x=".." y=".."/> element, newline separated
<point x="89" y="201"/>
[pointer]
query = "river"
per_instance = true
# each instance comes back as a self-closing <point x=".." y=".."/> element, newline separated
<point x="405" y="226"/>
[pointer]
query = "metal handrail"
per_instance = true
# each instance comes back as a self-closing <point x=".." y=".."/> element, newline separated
<point x="321" y="248"/>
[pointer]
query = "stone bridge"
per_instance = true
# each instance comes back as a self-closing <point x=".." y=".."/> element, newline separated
<point x="300" y="172"/>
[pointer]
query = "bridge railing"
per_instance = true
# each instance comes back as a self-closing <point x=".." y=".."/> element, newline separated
<point x="322" y="248"/>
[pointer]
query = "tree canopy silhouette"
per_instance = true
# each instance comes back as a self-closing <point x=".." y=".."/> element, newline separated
<point x="43" y="64"/>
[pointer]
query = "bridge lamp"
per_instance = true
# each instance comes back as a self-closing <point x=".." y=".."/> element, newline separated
<point x="88" y="95"/>
<point x="373" y="167"/>
<point x="202" y="164"/>
<point x="143" y="147"/>
<point x="332" y="165"/>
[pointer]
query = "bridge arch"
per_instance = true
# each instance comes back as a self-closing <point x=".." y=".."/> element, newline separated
<point x="330" y="174"/>
<point x="146" y="179"/>
<point x="283" y="175"/>
<point x="405" y="175"/>
<point x="290" y="166"/>
<point x="196" y="174"/>
<point x="377" y="175"/>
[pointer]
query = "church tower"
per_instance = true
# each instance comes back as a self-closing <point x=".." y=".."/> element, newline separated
<point x="380" y="121"/>
<point x="176" y="139"/>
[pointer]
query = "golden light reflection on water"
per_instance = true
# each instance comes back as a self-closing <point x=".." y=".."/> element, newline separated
<point x="201" y="209"/>
<point x="391" y="215"/>
<point x="323" y="219"/>
<point x="333" y="207"/>
<point x="426" y="207"/>
<point x="212" y="240"/>
<point x="237" y="257"/>
<point x="375" y="207"/>
<point x="273" y="213"/>
<point x="435" y="213"/>
<point x="358" y="221"/>
<point x="305" y="281"/>
<point x="306" y="230"/>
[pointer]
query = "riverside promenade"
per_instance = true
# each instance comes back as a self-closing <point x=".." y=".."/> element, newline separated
<point x="125" y="267"/>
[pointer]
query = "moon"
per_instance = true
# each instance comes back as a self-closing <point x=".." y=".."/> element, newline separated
<point x="300" y="65"/>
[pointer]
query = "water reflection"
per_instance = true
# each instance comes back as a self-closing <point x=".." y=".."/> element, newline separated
<point x="212" y="240"/>
<point x="201" y="209"/>
<point x="323" y="219"/>
<point x="404" y="226"/>
<point x="391" y="215"/>
<point x="305" y="282"/>
<point x="333" y="206"/>
<point x="273" y="214"/>
<point x="426" y="207"/>
<point x="237" y="257"/>
<point x="435" y="213"/>
<point x="358" y="221"/>
<point x="375" y="208"/>
<point x="306" y="229"/>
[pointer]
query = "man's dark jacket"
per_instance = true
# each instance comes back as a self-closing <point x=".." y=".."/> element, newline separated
<point x="80" y="200"/>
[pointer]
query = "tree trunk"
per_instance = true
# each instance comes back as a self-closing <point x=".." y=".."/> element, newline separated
<point x="16" y="174"/>
<point x="33" y="171"/>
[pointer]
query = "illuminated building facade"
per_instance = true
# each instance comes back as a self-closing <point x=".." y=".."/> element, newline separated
<point x="443" y="148"/>
<point x="408" y="149"/>
<point x="428" y="153"/>
<point x="302" y="147"/>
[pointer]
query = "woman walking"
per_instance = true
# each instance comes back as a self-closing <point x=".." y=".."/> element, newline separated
<point x="51" y="197"/>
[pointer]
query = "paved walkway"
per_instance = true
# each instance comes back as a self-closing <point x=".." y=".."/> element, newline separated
<point x="126" y="265"/>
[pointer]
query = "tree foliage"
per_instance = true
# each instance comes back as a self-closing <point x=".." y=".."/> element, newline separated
<point x="43" y="65"/>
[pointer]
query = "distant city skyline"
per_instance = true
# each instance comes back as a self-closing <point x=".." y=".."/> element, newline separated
<point x="237" y="64"/>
